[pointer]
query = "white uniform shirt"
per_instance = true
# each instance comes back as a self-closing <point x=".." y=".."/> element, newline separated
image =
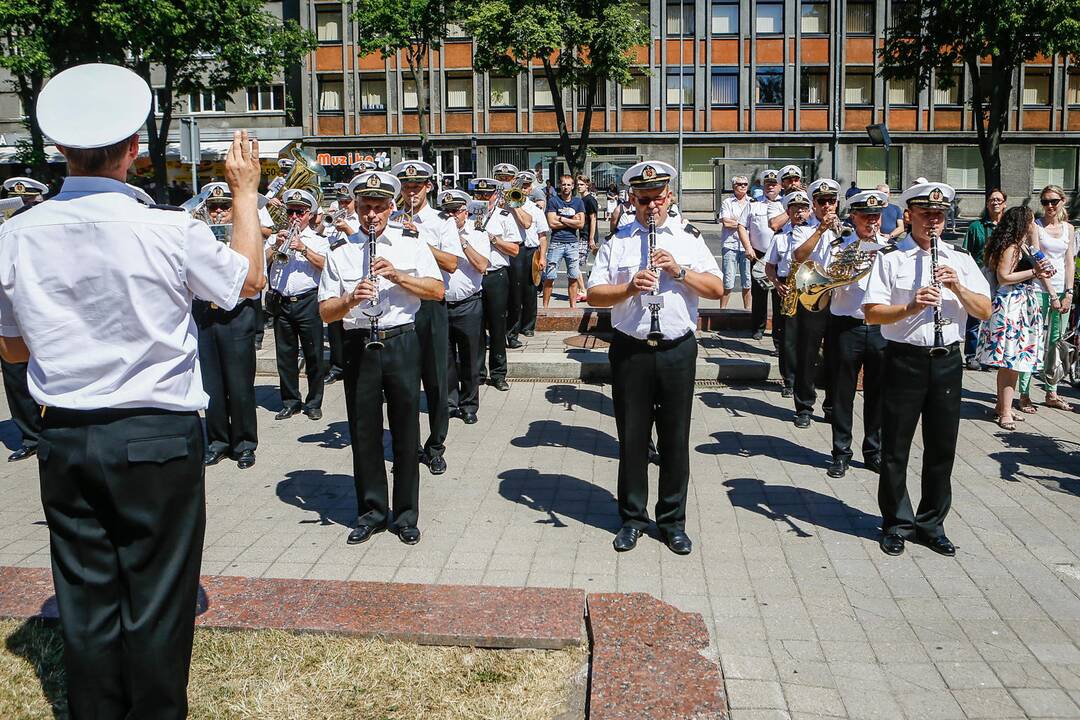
<point x="348" y="265"/>
<point x="539" y="226"/>
<point x="466" y="280"/>
<point x="783" y="244"/>
<point x="265" y="220"/>
<point x="100" y="288"/>
<point x="757" y="223"/>
<point x="740" y="211"/>
<point x="503" y="226"/>
<point x="847" y="299"/>
<point x="627" y="252"/>
<point x="297" y="276"/>
<point x="899" y="274"/>
<point x="439" y="231"/>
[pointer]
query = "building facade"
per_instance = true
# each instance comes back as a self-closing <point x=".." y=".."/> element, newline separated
<point x="726" y="87"/>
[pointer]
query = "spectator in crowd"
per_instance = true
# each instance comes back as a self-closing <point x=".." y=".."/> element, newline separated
<point x="612" y="200"/>
<point x="587" y="235"/>
<point x="734" y="240"/>
<point x="1056" y="241"/>
<point x="851" y="191"/>
<point x="1011" y="340"/>
<point x="975" y="243"/>
<point x="892" y="219"/>
<point x="566" y="217"/>
<point x="756" y="190"/>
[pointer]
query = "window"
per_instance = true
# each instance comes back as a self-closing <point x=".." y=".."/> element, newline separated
<point x="459" y="93"/>
<point x="770" y="86"/>
<point x="815" y="18"/>
<point x="901" y="92"/>
<point x="206" y="101"/>
<point x="949" y="95"/>
<point x="331" y="95"/>
<point x="963" y="168"/>
<point x="455" y="31"/>
<point x="409" y="97"/>
<point x="725" y="18"/>
<point x="328" y="24"/>
<point x="814" y="86"/>
<point x="1055" y="166"/>
<point x="697" y="167"/>
<point x="725" y="86"/>
<point x="503" y="92"/>
<point x="859" y="19"/>
<point x="599" y="100"/>
<point x="680" y="85"/>
<point x="899" y="11"/>
<point x="1036" y="86"/>
<point x="372" y="93"/>
<point x="264" y="98"/>
<point x="859" y="86"/>
<point x="1072" y="94"/>
<point x="159" y="102"/>
<point x="870" y="166"/>
<point x="770" y="18"/>
<point x="541" y="92"/>
<point x="677" y="25"/>
<point x="636" y="92"/>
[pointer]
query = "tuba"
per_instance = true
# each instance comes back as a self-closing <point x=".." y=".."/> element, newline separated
<point x="305" y="174"/>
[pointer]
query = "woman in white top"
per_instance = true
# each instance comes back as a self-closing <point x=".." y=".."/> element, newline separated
<point x="1056" y="240"/>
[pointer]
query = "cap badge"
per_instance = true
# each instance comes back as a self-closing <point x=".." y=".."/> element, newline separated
<point x="218" y="192"/>
<point x="648" y="172"/>
<point x="872" y="201"/>
<point x="410" y="170"/>
<point x="373" y="181"/>
<point x="936" y="195"/>
<point x="20" y="188"/>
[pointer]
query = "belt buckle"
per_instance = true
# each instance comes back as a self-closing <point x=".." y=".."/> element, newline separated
<point x="293" y="299"/>
<point x="213" y="306"/>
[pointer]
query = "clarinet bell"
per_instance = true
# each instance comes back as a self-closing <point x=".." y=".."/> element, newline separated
<point x="373" y="344"/>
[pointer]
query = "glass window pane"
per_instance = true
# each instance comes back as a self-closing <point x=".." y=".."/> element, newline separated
<point x="408" y="91"/>
<point x="328" y="25"/>
<point x="279" y="97"/>
<point x="725" y="88"/>
<point x="373" y="93"/>
<point x="770" y="86"/>
<point x="898" y="10"/>
<point x="677" y="81"/>
<point x="253" y="99"/>
<point x="725" y="19"/>
<point x="1055" y="166"/>
<point x="859" y="19"/>
<point x="599" y="100"/>
<point x="674" y="27"/>
<point x="902" y="92"/>
<point x="459" y="93"/>
<point x="636" y="92"/>
<point x="770" y="18"/>
<point x="858" y="88"/>
<point x="963" y="168"/>
<point x="330" y="95"/>
<point x="697" y="171"/>
<point x="814" y="87"/>
<point x="951" y="95"/>
<point x="503" y="92"/>
<point x="1036" y="86"/>
<point x="870" y="167"/>
<point x="1073" y="95"/>
<point x="815" y="18"/>
<point x="541" y="92"/>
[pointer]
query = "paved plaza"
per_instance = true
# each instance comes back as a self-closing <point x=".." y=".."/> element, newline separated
<point x="807" y="617"/>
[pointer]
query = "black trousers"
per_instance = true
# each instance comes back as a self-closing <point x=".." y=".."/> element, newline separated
<point x="433" y="332"/>
<point x="786" y="339"/>
<point x="124" y="499"/>
<point x="227" y="362"/>
<point x="854" y="346"/>
<point x="335" y="335"/>
<point x="260" y="320"/>
<point x="393" y="371"/>
<point x="496" y="287"/>
<point x="812" y="327"/>
<point x="25" y="411"/>
<point x="521" y="310"/>
<point x="919" y="386"/>
<point x="297" y="326"/>
<point x="759" y="303"/>
<point x="466" y="352"/>
<point x="653" y="383"/>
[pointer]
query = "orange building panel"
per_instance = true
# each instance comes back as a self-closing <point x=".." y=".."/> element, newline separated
<point x="725" y="120"/>
<point x="640" y="55"/>
<point x="411" y="125"/>
<point x="947" y="119"/>
<point x="815" y="51"/>
<point x="813" y="119"/>
<point x="598" y="124"/>
<point x="673" y="52"/>
<point x="457" y="55"/>
<point x="860" y="51"/>
<point x="1074" y="120"/>
<point x="770" y="52"/>
<point x="857" y="118"/>
<point x="1041" y="59"/>
<point x="638" y="120"/>
<point x="331" y="125"/>
<point x="545" y="122"/>
<point x="1036" y="119"/>
<point x="771" y="119"/>
<point x="673" y="120"/>
<point x="328" y="57"/>
<point x="374" y="61"/>
<point x="502" y="122"/>
<point x="459" y="122"/>
<point x="372" y="125"/>
<point x="902" y="119"/>
<point x="725" y="52"/>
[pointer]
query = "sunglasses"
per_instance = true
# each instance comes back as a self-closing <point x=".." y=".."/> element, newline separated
<point x="825" y="200"/>
<point x="647" y="201"/>
<point x="1050" y="201"/>
<point x="295" y="211"/>
<point x="741" y="184"/>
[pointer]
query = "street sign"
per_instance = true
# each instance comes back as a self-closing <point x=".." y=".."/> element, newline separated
<point x="190" y="146"/>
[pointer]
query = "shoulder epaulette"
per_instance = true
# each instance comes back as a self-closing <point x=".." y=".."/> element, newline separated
<point x="957" y="248"/>
<point x="163" y="206"/>
<point x="337" y="243"/>
<point x="443" y="215"/>
<point x="406" y="232"/>
<point x="504" y="212"/>
<point x="692" y="230"/>
<point x="891" y="247"/>
<point x="671" y="212"/>
<point x="23" y="209"/>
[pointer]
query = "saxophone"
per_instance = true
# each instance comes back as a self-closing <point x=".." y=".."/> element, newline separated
<point x="789" y="304"/>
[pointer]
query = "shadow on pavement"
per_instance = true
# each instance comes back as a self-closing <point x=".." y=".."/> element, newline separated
<point x="336" y="436"/>
<point x="741" y="405"/>
<point x="331" y="497"/>
<point x="10" y="435"/>
<point x="558" y="496"/>
<point x="552" y="433"/>
<point x="1060" y="458"/>
<point x="268" y="397"/>
<point x="572" y="397"/>
<point x="788" y="504"/>
<point x="778" y="448"/>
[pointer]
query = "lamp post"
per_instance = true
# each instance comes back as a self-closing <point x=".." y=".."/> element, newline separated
<point x="879" y="137"/>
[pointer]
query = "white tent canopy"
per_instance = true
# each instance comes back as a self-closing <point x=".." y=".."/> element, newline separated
<point x="215" y="150"/>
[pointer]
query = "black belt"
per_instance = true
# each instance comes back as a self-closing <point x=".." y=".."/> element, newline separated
<point x="382" y="334"/>
<point x="900" y="348"/>
<point x="57" y="416"/>
<point x="475" y="296"/>
<point x="295" y="298"/>
<point x="492" y="272"/>
<point x="664" y="344"/>
<point x="847" y="321"/>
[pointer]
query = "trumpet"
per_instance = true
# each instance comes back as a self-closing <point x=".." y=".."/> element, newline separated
<point x="406" y="216"/>
<point x="373" y="310"/>
<point x="283" y="251"/>
<point x="331" y="220"/>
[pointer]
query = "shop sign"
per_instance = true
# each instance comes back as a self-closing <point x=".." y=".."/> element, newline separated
<point x="337" y="158"/>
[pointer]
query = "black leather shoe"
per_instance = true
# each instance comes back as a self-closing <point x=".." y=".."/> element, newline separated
<point x="873" y="464"/>
<point x="455" y="412"/>
<point x="286" y="412"/>
<point x="528" y="333"/>
<point x="409" y="535"/>
<point x="786" y="392"/>
<point x="421" y="456"/>
<point x="941" y="545"/>
<point x="972" y="364"/>
<point x="22" y="453"/>
<point x="258" y="346"/>
<point x="437" y="465"/>
<point x="313" y="413"/>
<point x="626" y="539"/>
<point x="500" y="384"/>
<point x="363" y="533"/>
<point x="332" y="377"/>
<point x="838" y="468"/>
<point x="213" y="458"/>
<point x="758" y="335"/>
<point x="802" y="421"/>
<point x="514" y="343"/>
<point x="678" y="542"/>
<point x="891" y="544"/>
<point x="246" y="459"/>
<point x="469" y="418"/>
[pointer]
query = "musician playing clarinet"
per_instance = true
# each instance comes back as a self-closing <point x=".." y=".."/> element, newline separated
<point x="651" y="273"/>
<point x="921" y="296"/>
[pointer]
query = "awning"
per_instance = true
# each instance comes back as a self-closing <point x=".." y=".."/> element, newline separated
<point x="216" y="150"/>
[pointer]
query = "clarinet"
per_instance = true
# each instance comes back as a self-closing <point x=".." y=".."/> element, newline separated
<point x="373" y="342"/>
<point x="655" y="302"/>
<point x="939" y="349"/>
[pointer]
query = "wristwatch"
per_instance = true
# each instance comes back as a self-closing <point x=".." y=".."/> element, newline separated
<point x="681" y="276"/>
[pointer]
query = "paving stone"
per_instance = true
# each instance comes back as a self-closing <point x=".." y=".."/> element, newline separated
<point x="1046" y="703"/>
<point x="988" y="703"/>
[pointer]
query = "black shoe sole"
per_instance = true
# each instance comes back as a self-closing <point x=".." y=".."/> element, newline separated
<point x="350" y="541"/>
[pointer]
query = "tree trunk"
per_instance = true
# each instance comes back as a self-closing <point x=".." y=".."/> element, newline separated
<point x="423" y="117"/>
<point x="157" y="134"/>
<point x="990" y="121"/>
<point x="566" y="147"/>
<point x="586" y="127"/>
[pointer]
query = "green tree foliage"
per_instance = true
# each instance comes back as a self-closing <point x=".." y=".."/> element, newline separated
<point x="579" y="44"/>
<point x="414" y="27"/>
<point x="938" y="36"/>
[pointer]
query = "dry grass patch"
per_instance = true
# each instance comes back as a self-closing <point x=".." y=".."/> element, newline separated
<point x="274" y="675"/>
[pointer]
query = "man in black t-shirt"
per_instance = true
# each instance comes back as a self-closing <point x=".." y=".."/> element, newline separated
<point x="587" y="235"/>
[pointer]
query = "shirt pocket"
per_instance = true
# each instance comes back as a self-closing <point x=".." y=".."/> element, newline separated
<point x="158" y="450"/>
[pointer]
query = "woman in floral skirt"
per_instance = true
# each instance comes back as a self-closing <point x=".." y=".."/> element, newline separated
<point x="1011" y="340"/>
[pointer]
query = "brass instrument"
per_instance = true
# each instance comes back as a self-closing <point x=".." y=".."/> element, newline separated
<point x="331" y="220"/>
<point x="305" y="174"/>
<point x="814" y="284"/>
<point x="406" y="216"/>
<point x="514" y="196"/>
<point x="283" y="251"/>
<point x="655" y="301"/>
<point x="789" y="304"/>
<point x="373" y="310"/>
